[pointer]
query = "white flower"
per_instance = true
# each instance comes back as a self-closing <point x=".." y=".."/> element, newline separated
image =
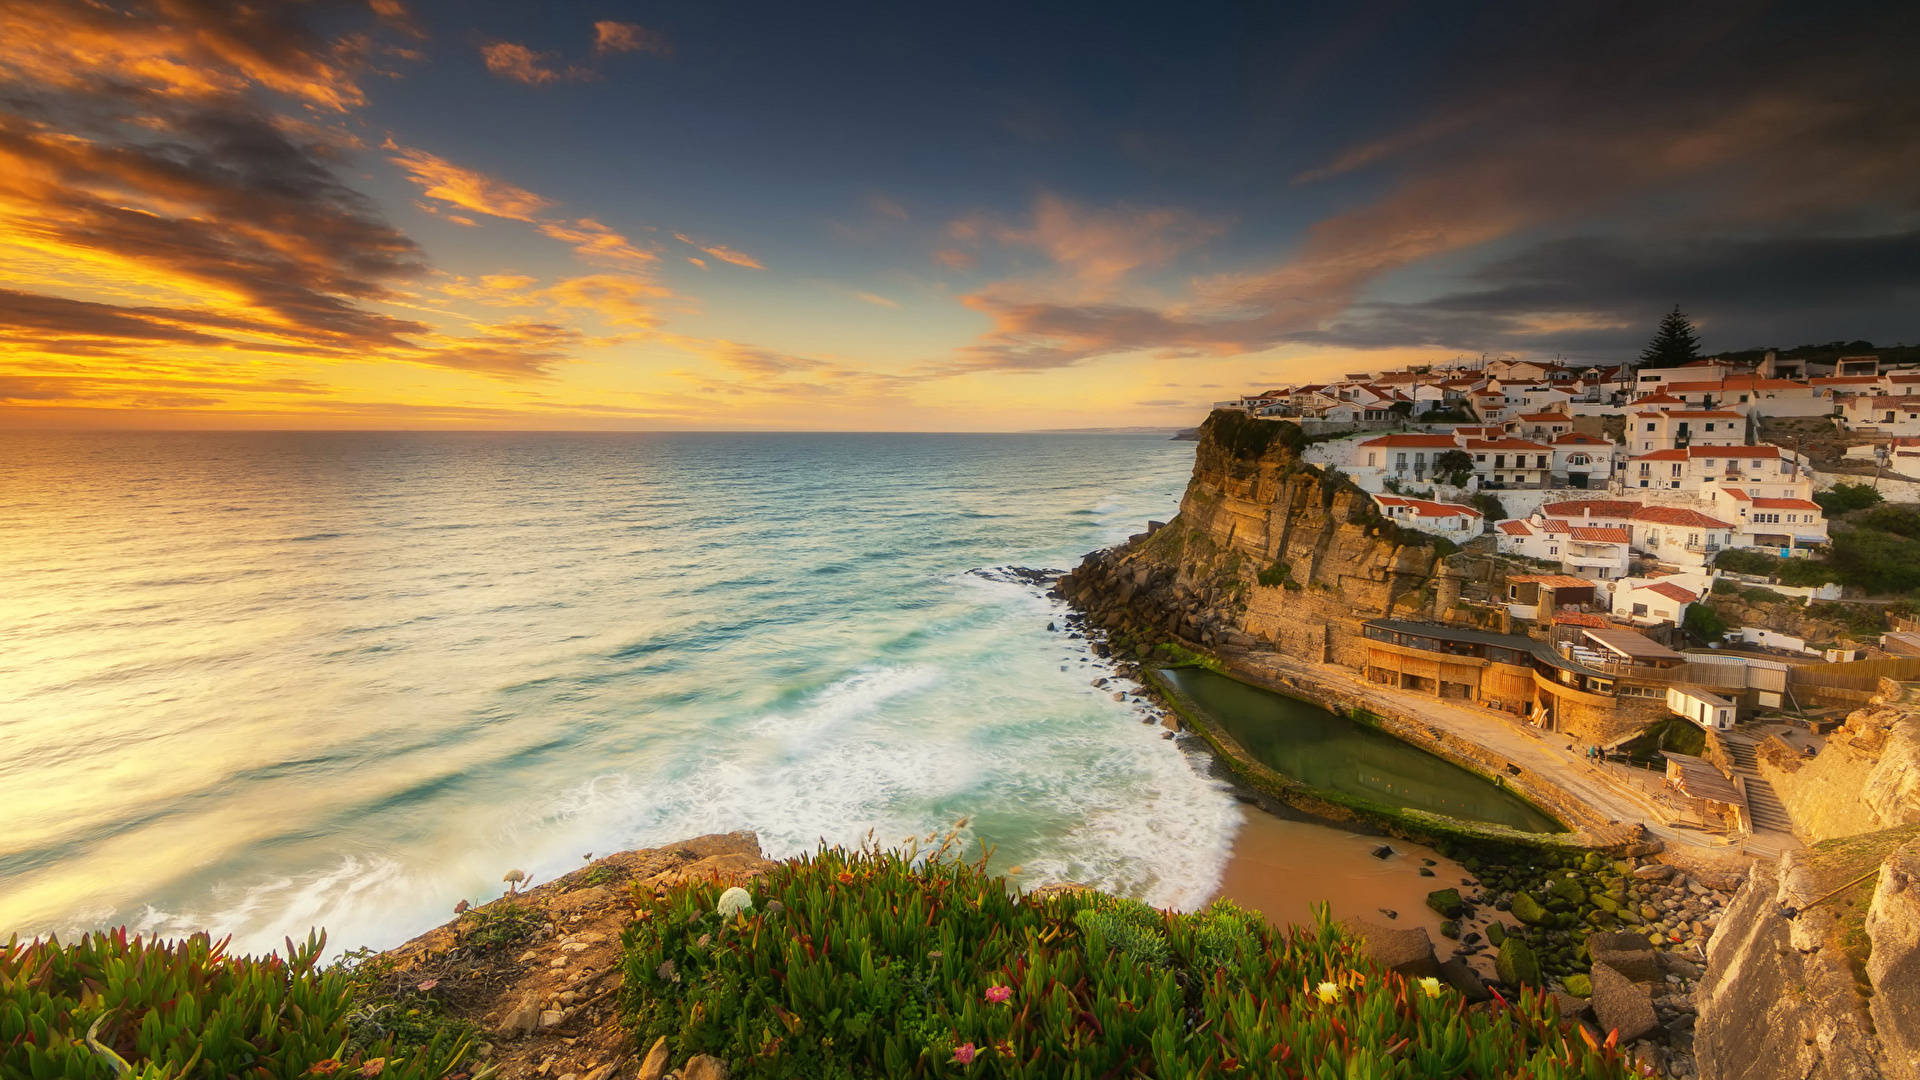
<point x="734" y="901"/>
<point x="1327" y="992"/>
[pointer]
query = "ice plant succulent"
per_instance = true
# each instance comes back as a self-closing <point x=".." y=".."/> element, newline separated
<point x="913" y="971"/>
<point x="1430" y="986"/>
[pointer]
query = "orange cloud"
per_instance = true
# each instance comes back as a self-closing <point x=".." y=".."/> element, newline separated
<point x="619" y="37"/>
<point x="465" y="188"/>
<point x="722" y="252"/>
<point x="876" y="299"/>
<point x="597" y="243"/>
<point x="617" y="299"/>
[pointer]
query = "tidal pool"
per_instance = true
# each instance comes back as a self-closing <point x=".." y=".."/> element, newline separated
<point x="1329" y="752"/>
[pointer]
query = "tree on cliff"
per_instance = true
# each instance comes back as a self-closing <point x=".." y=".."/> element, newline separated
<point x="1675" y="343"/>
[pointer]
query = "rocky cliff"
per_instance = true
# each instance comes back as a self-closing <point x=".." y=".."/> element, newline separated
<point x="1866" y="777"/>
<point x="1266" y="548"/>
<point x="1816" y="969"/>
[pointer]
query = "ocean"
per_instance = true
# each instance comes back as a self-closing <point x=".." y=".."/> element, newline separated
<point x="258" y="683"/>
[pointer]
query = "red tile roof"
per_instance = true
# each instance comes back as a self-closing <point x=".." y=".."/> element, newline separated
<point x="1737" y="493"/>
<point x="1415" y="439"/>
<point x="1579" y="618"/>
<point x="1504" y="444"/>
<point x="1672" y="592"/>
<point x="1604" y="534"/>
<point x="1551" y="581"/>
<point x="1733" y="451"/>
<point x="1427" y="507"/>
<point x="1679" y="454"/>
<point x="1679" y="515"/>
<point x="1581" y="508"/>
<point x="1785" y="504"/>
<point x="1515" y="528"/>
<point x="1578" y="438"/>
<point x="1543" y="417"/>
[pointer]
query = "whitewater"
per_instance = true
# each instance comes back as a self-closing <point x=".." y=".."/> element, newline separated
<point x="258" y="683"/>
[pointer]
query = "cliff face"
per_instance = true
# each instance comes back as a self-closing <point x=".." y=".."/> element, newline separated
<point x="1814" y="968"/>
<point x="1266" y="548"/>
<point x="1866" y="778"/>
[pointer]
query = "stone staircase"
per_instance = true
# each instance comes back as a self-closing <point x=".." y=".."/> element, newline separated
<point x="1763" y="804"/>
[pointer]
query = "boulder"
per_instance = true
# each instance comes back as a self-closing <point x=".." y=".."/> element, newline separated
<point x="1630" y="955"/>
<point x="1622" y="1005"/>
<point x="1516" y="963"/>
<point x="1578" y="985"/>
<point x="1528" y="910"/>
<point x="654" y="1066"/>
<point x="1459" y="975"/>
<point x="1447" y="902"/>
<point x="704" y="1067"/>
<point x="1408" y="952"/>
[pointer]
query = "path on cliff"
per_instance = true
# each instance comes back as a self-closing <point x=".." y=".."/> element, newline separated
<point x="1522" y="746"/>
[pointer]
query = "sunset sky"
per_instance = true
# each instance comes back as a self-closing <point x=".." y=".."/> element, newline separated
<point x="401" y="214"/>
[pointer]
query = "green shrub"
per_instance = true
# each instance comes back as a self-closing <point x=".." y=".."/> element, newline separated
<point x="1277" y="575"/>
<point x="110" y="1004"/>
<point x="879" y="964"/>
<point x="1704" y="622"/>
<point x="1846" y="498"/>
<point x="1489" y="505"/>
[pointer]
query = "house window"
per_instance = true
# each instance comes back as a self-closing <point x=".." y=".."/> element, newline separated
<point x="1639" y="611"/>
<point x="1553" y="549"/>
<point x="1649" y="425"/>
<point x="1370" y="457"/>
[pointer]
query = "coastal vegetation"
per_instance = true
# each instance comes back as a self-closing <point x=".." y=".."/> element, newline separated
<point x="874" y="963"/>
<point x="114" y="1005"/>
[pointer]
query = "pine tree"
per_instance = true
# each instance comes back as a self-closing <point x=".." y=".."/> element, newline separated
<point x="1674" y="344"/>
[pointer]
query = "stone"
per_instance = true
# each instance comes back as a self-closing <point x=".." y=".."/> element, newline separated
<point x="1119" y="695"/>
<point x="1578" y="985"/>
<point x="552" y="1018"/>
<point x="1426" y="871"/>
<point x="704" y="1067"/>
<point x="1496" y="933"/>
<point x="1461" y="976"/>
<point x="1384" y="851"/>
<point x="522" y="1019"/>
<point x="1621" y="1005"/>
<point x="1631" y="955"/>
<point x="1408" y="952"/>
<point x="654" y="1065"/>
<point x="1517" y="965"/>
<point x="1653" y="872"/>
<point x="1528" y="910"/>
<point x="1446" y="902"/>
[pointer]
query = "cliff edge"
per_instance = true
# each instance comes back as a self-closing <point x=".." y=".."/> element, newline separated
<point x="1266" y="549"/>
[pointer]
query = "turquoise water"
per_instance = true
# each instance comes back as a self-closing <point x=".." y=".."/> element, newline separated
<point x="261" y="682"/>
<point x="1332" y="753"/>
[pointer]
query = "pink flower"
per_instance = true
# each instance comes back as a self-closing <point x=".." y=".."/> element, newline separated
<point x="997" y="995"/>
<point x="964" y="1053"/>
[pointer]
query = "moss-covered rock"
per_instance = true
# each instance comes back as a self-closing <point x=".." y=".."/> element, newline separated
<point x="1447" y="902"/>
<point x="1578" y="985"/>
<point x="1516" y="963"/>
<point x="1528" y="910"/>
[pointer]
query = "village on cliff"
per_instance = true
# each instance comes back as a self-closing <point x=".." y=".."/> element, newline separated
<point x="1617" y="500"/>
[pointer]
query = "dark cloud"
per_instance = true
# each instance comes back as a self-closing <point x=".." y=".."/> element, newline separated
<point x="1711" y="121"/>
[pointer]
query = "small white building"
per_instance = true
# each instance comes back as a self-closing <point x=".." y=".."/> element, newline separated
<point x="1653" y="601"/>
<point x="1655" y="429"/>
<point x="1582" y="461"/>
<point x="1517" y="463"/>
<point x="1882" y="413"/>
<point x="1451" y="520"/>
<point x="1404" y="456"/>
<point x="1703" y="707"/>
<point x="1680" y="535"/>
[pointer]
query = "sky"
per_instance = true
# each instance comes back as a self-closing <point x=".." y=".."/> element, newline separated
<point x="400" y="214"/>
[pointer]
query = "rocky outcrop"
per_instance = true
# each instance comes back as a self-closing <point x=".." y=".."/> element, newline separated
<point x="1266" y="548"/>
<point x="1812" y="974"/>
<point x="1867" y="776"/>
<point x="538" y="970"/>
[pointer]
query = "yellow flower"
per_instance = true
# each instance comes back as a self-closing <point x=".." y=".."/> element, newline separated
<point x="1328" y="992"/>
<point x="1431" y="985"/>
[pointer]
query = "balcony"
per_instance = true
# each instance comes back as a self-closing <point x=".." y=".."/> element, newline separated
<point x="1604" y="560"/>
<point x="1703" y="548"/>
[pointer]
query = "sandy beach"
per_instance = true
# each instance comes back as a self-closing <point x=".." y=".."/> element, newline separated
<point x="1281" y="868"/>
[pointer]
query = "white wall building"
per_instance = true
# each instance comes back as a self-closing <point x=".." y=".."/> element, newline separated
<point x="1451" y="520"/>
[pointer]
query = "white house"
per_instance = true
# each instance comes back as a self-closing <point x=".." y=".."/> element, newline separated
<point x="1703" y="707"/>
<point x="1654" y="601"/>
<point x="1490" y="405"/>
<point x="1594" y="552"/>
<point x="1451" y="520"/>
<point x="1785" y="524"/>
<point x="1665" y="429"/>
<point x="1680" y="535"/>
<point x="1695" y="468"/>
<point x="1581" y="460"/>
<point x="1883" y="413"/>
<point x="1405" y="456"/>
<point x="1541" y="426"/>
<point x="1511" y="462"/>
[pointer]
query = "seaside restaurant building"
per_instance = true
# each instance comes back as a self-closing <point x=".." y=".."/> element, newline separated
<point x="1582" y="691"/>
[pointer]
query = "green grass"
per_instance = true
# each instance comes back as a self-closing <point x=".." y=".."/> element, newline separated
<point x="499" y="924"/>
<point x="870" y="963"/>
